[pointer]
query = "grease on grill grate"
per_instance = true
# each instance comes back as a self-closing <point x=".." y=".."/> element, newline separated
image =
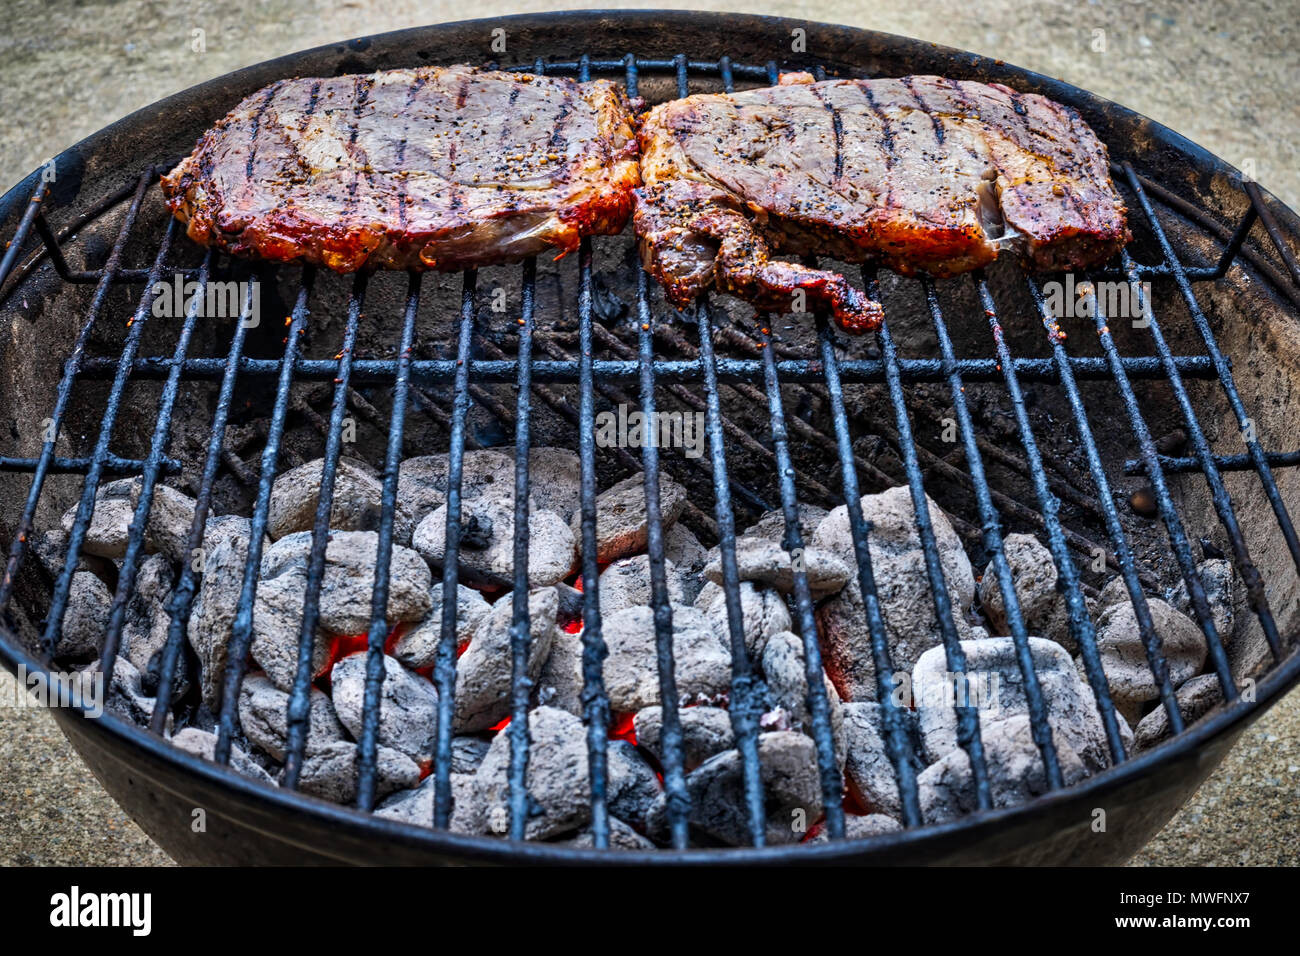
<point x="834" y="667"/>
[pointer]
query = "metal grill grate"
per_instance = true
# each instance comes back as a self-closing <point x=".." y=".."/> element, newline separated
<point x="645" y="370"/>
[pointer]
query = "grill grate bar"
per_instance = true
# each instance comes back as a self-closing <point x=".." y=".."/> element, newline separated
<point x="299" y="713"/>
<point x="993" y="543"/>
<point x="1257" y="456"/>
<point x="392" y="467"/>
<point x="241" y="632"/>
<point x="86" y="506"/>
<point x="671" y="740"/>
<point x="129" y="276"/>
<point x="595" y="703"/>
<point x="149" y="477"/>
<point x="71" y="368"/>
<point x="968" y="728"/>
<point x="30" y="215"/>
<point x="1244" y="462"/>
<point x="1222" y="501"/>
<point x="444" y="669"/>
<point x="1114" y="526"/>
<point x="1068" y="583"/>
<point x="183" y="594"/>
<point x="818" y="698"/>
<point x="729" y="370"/>
<point x="898" y="741"/>
<point x="112" y="465"/>
<point x="1168" y="513"/>
<point x="1257" y="205"/>
<point x="520" y="633"/>
<point x="746" y="688"/>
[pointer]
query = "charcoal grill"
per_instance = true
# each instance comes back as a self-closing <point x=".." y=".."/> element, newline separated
<point x="1217" y="250"/>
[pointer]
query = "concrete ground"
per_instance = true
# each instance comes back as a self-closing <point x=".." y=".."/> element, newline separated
<point x="1225" y="74"/>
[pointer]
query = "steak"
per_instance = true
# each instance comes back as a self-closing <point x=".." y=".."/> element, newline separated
<point x="441" y="168"/>
<point x="919" y="174"/>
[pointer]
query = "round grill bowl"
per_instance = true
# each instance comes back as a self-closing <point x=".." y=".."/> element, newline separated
<point x="1201" y="199"/>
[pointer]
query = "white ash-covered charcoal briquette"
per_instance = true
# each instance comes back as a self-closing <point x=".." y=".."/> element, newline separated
<point x="560" y="682"/>
<point x="684" y="550"/>
<point x="356" y="505"/>
<point x="706" y="731"/>
<point x="123" y="695"/>
<point x="554" y="481"/>
<point x="86" y="620"/>
<point x="869" y="774"/>
<point x="631" y="785"/>
<point x="415" y="806"/>
<point x="787" y="688"/>
<point x="902" y="584"/>
<point x="995" y="687"/>
<point x="1196" y="698"/>
<point x="213" y="614"/>
<point x="145" y="626"/>
<point x="626" y="583"/>
<point x="467" y="753"/>
<point x="277" y="621"/>
<point x="860" y="827"/>
<point x="622" y="524"/>
<point x="487" y="542"/>
<point x="702" y="664"/>
<point x="1220" y="583"/>
<point x="349" y="580"/>
<point x="422" y="482"/>
<point x="767" y="563"/>
<point x="408" y="706"/>
<point x="1042" y="606"/>
<point x="264" y="717"/>
<point x="557" y="779"/>
<point x="203" y="743"/>
<point x="331" y="772"/>
<point x="791" y="791"/>
<point x="771" y="525"/>
<point x="483" y="673"/>
<point x="1015" y="765"/>
<point x="167" y="529"/>
<point x="1124" y="656"/>
<point x="417" y="646"/>
<point x="763" y="612"/>
<point x="621" y="837"/>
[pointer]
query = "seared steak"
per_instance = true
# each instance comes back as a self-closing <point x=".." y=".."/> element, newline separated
<point x="431" y="168"/>
<point x="921" y="174"/>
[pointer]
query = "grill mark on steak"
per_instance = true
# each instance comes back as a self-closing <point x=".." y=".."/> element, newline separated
<point x="837" y="127"/>
<point x="271" y="91"/>
<point x="400" y="170"/>
<point x="412" y="89"/>
<point x="886" y="140"/>
<point x="935" y="122"/>
<point x="361" y="93"/>
<point x="920" y="165"/>
<point x="559" y="142"/>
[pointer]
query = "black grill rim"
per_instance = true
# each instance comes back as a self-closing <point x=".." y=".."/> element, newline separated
<point x="1106" y="118"/>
